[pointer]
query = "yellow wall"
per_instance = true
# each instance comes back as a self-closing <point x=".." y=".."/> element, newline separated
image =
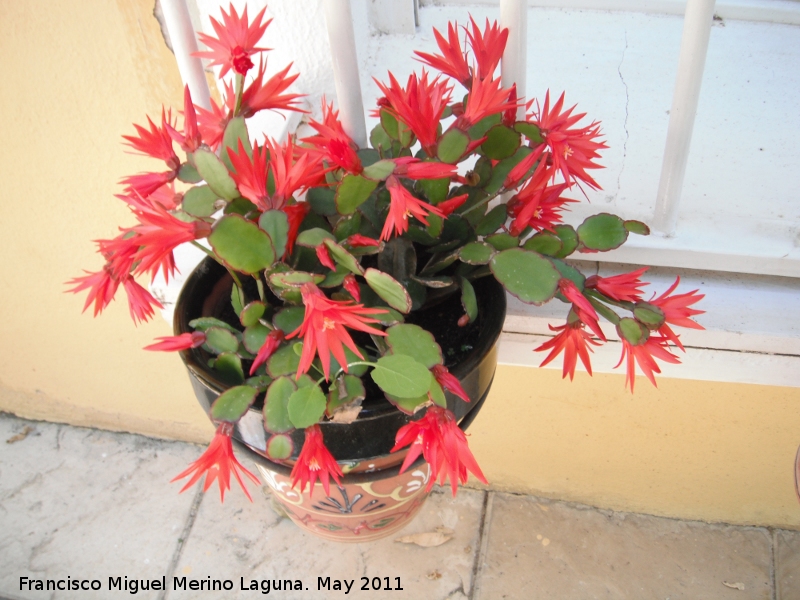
<point x="692" y="449"/>
<point x="711" y="451"/>
<point x="75" y="76"/>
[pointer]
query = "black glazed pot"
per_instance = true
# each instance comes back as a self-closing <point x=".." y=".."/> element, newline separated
<point x="207" y="293"/>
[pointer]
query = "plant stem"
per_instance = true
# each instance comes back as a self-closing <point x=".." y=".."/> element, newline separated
<point x="204" y="249"/>
<point x="216" y="258"/>
<point x="625" y="305"/>
<point x="483" y="271"/>
<point x="239" y="93"/>
<point x="352" y="364"/>
<point x="479" y="204"/>
<point x="260" y="285"/>
<point x="601" y="308"/>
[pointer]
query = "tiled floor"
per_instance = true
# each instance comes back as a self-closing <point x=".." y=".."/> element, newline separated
<point x="83" y="504"/>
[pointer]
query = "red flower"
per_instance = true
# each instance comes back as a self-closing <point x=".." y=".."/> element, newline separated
<point x="296" y="214"/>
<point x="212" y="123"/>
<point x="573" y="341"/>
<point x="271" y="344"/>
<point x="573" y="150"/>
<point x="269" y="96"/>
<point x="235" y="41"/>
<point x="487" y="47"/>
<point x="351" y="285"/>
<point x="155" y="142"/>
<point x="438" y="438"/>
<point x="166" y="197"/>
<point x="645" y="354"/>
<point x="677" y="312"/>
<point x="623" y="288"/>
<point x="120" y="253"/>
<point x="448" y="206"/>
<point x="250" y="173"/>
<point x="404" y="205"/>
<point x="538" y="205"/>
<point x="217" y="463"/>
<point x="522" y="167"/>
<point x="413" y="168"/>
<point x="452" y="61"/>
<point x="323" y="328"/>
<point x="315" y="462"/>
<point x="145" y="184"/>
<point x="449" y="382"/>
<point x="534" y="187"/>
<point x="102" y="287"/>
<point x="184" y="341"/>
<point x="324" y="256"/>
<point x="158" y="233"/>
<point x="291" y="175"/>
<point x="420" y="106"/>
<point x="361" y="241"/>
<point x="582" y="307"/>
<point x="140" y="301"/>
<point x="333" y="143"/>
<point x="190" y="140"/>
<point x="488" y="97"/>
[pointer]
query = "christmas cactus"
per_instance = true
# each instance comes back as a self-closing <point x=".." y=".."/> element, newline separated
<point x="337" y="240"/>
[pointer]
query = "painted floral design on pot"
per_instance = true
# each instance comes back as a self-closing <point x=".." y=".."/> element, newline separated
<point x="363" y="508"/>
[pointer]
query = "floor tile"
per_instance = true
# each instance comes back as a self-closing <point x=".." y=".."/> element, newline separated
<point x="787" y="564"/>
<point x="86" y="504"/>
<point x="239" y="540"/>
<point x="544" y="549"/>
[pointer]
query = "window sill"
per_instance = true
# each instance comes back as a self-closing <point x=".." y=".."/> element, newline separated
<point x="751" y="335"/>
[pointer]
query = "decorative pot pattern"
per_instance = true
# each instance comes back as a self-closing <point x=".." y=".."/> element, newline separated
<point x="358" y="511"/>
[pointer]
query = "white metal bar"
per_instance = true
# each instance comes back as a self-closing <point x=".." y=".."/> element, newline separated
<point x="514" y="16"/>
<point x="184" y="43"/>
<point x="694" y="46"/>
<point x="339" y="20"/>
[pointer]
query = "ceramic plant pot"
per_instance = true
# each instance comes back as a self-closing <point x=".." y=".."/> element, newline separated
<point x="366" y="506"/>
<point x="374" y="500"/>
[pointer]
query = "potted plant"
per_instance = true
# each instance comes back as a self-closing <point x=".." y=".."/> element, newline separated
<point x="346" y="318"/>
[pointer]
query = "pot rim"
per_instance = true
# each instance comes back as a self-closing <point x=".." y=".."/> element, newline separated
<point x="494" y="324"/>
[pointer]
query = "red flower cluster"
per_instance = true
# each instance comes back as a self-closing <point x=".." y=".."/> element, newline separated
<point x="144" y="248"/>
<point x="642" y="342"/>
<point x="438" y="438"/>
